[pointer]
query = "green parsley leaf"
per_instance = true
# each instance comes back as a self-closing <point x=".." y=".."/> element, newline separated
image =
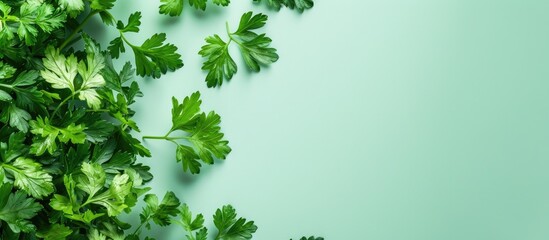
<point x="46" y="135"/>
<point x="231" y="228"/>
<point x="171" y="7"/>
<point x="93" y="179"/>
<point x="112" y="232"/>
<point x="101" y="5"/>
<point x="134" y="21"/>
<point x="15" y="147"/>
<point x="6" y="71"/>
<point x="300" y="5"/>
<point x="33" y="15"/>
<point x="4" y="96"/>
<point x="16" y="117"/>
<point x="311" y="238"/>
<point x="198" y="4"/>
<point x="96" y="235"/>
<point x="220" y="64"/>
<point x="91" y="73"/>
<point x="159" y="213"/>
<point x="183" y="114"/>
<point x="73" y="7"/>
<point x="86" y="217"/>
<point x="59" y="71"/>
<point x="204" y="134"/>
<point x="55" y="232"/>
<point x="191" y="225"/>
<point x="208" y="139"/>
<point x="254" y="49"/>
<point x="187" y="221"/>
<point x="30" y="177"/>
<point x="222" y="2"/>
<point x="66" y="204"/>
<point x="16" y="209"/>
<point x="187" y="156"/>
<point x="154" y="57"/>
<point x="113" y="198"/>
<point x="175" y="7"/>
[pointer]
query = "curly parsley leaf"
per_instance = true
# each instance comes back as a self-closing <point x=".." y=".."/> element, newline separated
<point x="229" y="227"/>
<point x="17" y="210"/>
<point x="255" y="49"/>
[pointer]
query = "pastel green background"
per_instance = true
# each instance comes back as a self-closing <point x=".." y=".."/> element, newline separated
<point x="382" y="120"/>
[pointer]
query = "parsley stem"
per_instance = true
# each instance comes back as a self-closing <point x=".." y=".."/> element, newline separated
<point x="7" y="86"/>
<point x="139" y="227"/>
<point x="63" y="102"/>
<point x="126" y="40"/>
<point x="164" y="138"/>
<point x="78" y="29"/>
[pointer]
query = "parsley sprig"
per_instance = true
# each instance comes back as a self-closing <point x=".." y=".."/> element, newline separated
<point x="204" y="137"/>
<point x="254" y="48"/>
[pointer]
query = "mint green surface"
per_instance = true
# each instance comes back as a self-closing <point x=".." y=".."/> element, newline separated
<point x="382" y="120"/>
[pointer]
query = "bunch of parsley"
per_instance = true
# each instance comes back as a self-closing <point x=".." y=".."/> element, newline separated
<point x="68" y="159"/>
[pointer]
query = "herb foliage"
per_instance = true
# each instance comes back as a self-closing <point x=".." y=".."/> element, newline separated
<point x="68" y="159"/>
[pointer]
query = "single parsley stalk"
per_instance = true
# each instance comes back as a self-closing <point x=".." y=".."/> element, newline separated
<point x="78" y="28"/>
<point x="71" y="96"/>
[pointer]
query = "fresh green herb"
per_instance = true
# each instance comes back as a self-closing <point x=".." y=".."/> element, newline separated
<point x="175" y="7"/>
<point x="300" y="5"/>
<point x="254" y="49"/>
<point x="203" y="133"/>
<point x="68" y="156"/>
